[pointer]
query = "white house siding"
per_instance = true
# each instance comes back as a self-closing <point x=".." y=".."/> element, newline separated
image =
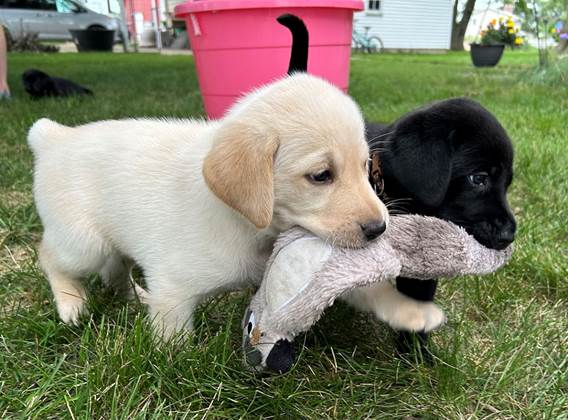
<point x="409" y="24"/>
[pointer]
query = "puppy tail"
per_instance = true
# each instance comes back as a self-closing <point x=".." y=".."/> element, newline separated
<point x="44" y="133"/>
<point x="300" y="42"/>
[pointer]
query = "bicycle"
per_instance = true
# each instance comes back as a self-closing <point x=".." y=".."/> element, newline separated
<point x="365" y="43"/>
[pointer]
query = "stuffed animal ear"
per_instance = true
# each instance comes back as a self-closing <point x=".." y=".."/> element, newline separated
<point x="420" y="156"/>
<point x="238" y="170"/>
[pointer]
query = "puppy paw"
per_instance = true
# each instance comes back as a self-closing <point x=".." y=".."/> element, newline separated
<point x="71" y="308"/>
<point x="416" y="316"/>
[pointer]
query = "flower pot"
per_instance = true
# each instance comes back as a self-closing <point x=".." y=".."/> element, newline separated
<point x="486" y="55"/>
<point x="93" y="39"/>
<point x="238" y="45"/>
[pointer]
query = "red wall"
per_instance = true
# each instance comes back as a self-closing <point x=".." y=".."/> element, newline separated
<point x="144" y="6"/>
<point x="131" y="6"/>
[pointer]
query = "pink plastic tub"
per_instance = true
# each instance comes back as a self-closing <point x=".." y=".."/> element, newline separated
<point x="239" y="45"/>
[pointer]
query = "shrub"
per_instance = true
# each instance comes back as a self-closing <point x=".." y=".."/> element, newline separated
<point x="29" y="42"/>
<point x="501" y="33"/>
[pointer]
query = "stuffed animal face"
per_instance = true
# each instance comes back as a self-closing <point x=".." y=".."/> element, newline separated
<point x="262" y="350"/>
<point x="267" y="341"/>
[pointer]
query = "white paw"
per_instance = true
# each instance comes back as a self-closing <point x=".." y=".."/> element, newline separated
<point x="167" y="329"/>
<point x="416" y="316"/>
<point x="70" y="309"/>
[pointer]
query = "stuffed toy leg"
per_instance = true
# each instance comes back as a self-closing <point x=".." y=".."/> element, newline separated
<point x="305" y="275"/>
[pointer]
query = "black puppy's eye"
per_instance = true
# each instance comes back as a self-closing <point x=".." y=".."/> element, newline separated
<point x="478" y="179"/>
<point x="323" y="177"/>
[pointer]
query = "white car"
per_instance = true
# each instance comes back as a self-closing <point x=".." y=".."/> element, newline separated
<point x="50" y="19"/>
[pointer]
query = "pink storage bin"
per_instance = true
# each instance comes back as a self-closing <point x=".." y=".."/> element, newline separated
<point x="238" y="44"/>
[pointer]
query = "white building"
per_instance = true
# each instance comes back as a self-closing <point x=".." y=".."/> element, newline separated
<point x="408" y="25"/>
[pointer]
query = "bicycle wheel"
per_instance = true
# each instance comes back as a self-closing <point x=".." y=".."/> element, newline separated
<point x="374" y="45"/>
<point x="356" y="44"/>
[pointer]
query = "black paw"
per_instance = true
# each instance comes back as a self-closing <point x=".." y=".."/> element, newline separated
<point x="414" y="347"/>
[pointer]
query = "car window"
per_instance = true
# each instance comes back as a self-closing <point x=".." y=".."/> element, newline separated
<point x="48" y="5"/>
<point x="64" y="6"/>
<point x="18" y="4"/>
<point x="30" y="4"/>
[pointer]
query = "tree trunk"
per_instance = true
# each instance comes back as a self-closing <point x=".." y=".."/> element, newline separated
<point x="459" y="27"/>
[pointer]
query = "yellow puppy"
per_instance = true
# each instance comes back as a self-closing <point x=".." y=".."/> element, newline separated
<point x="197" y="205"/>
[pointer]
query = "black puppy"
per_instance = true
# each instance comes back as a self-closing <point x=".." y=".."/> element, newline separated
<point x="40" y="85"/>
<point x="452" y="160"/>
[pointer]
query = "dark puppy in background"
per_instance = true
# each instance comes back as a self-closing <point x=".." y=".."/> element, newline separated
<point x="40" y="85"/>
<point x="451" y="159"/>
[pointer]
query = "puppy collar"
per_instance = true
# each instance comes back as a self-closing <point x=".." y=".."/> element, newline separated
<point x="376" y="174"/>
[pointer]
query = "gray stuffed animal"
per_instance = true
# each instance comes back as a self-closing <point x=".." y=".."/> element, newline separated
<point x="305" y="275"/>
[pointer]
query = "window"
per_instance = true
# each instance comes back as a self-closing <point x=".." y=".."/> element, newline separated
<point x="374" y="5"/>
<point x="20" y="4"/>
<point x="64" y="6"/>
<point x="48" y="5"/>
<point x="30" y="4"/>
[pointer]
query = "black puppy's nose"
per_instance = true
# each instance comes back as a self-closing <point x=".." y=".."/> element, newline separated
<point x="373" y="229"/>
<point x="506" y="236"/>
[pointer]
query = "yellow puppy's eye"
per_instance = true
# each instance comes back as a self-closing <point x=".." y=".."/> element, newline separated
<point x="323" y="177"/>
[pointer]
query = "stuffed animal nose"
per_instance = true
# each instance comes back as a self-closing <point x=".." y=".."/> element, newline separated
<point x="281" y="357"/>
<point x="373" y="229"/>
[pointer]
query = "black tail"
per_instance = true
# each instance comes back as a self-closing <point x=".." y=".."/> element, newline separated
<point x="300" y="41"/>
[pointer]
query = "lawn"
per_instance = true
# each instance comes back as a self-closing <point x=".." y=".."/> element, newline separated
<point x="503" y="353"/>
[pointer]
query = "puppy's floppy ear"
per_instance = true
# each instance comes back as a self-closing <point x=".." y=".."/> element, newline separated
<point x="238" y="169"/>
<point x="420" y="157"/>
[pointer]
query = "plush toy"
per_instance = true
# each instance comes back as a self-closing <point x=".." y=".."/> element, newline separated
<point x="305" y="275"/>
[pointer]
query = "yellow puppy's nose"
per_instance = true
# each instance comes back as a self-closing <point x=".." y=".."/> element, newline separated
<point x="373" y="229"/>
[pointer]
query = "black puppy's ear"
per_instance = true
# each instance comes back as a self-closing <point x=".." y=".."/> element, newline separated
<point x="419" y="158"/>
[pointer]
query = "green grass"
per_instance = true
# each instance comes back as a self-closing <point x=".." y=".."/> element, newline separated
<point x="503" y="353"/>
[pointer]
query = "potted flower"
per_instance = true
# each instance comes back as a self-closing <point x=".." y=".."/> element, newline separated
<point x="494" y="38"/>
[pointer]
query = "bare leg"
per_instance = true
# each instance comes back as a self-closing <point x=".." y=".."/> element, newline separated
<point x="4" y="89"/>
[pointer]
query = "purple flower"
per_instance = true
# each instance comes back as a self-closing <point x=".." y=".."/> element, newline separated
<point x="564" y="35"/>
